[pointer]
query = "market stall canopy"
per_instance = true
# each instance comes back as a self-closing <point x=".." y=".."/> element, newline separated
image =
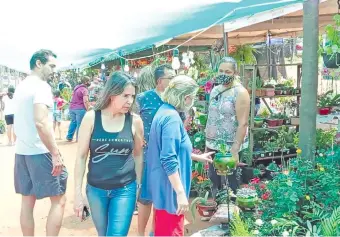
<point x="79" y="30"/>
<point x="283" y="22"/>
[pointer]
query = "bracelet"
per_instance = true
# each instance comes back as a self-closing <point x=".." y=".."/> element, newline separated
<point x="139" y="185"/>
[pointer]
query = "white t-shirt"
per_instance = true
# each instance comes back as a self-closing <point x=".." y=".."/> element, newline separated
<point x="9" y="105"/>
<point x="30" y="91"/>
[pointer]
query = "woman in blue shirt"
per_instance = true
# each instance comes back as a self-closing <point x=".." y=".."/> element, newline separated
<point x="169" y="158"/>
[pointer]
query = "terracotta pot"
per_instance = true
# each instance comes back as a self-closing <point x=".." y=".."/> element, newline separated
<point x="324" y="111"/>
<point x="272" y="122"/>
<point x="279" y="122"/>
<point x="270" y="91"/>
<point x="206" y="210"/>
<point x="259" y="92"/>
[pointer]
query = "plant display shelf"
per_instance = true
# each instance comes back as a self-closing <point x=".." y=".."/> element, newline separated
<point x="276" y="157"/>
<point x="277" y="96"/>
<point x="252" y="129"/>
<point x="273" y="128"/>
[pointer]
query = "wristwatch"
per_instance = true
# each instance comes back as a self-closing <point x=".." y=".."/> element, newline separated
<point x="139" y="185"/>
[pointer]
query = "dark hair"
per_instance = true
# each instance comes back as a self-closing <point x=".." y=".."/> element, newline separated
<point x="113" y="86"/>
<point x="85" y="79"/>
<point x="41" y="55"/>
<point x="10" y="92"/>
<point x="56" y="93"/>
<point x="160" y="71"/>
<point x="11" y="89"/>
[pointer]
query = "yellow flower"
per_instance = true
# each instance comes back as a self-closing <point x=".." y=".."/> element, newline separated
<point x="322" y="169"/>
<point x="298" y="151"/>
<point x="307" y="197"/>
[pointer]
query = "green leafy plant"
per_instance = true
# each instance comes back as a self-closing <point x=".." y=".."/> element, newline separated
<point x="332" y="45"/>
<point x="198" y="200"/>
<point x="244" y="54"/>
<point x="328" y="99"/>
<point x="239" y="227"/>
<point x="307" y="194"/>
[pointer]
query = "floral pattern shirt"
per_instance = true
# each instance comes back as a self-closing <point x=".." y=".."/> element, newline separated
<point x="222" y="122"/>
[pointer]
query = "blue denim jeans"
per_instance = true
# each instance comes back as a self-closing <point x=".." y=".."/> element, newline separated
<point x="112" y="210"/>
<point x="76" y="116"/>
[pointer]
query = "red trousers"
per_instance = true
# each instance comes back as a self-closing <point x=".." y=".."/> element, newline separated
<point x="167" y="224"/>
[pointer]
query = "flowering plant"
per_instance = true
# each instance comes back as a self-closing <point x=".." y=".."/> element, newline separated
<point x="208" y="86"/>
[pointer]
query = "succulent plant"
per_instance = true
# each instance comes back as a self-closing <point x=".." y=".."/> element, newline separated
<point x="246" y="193"/>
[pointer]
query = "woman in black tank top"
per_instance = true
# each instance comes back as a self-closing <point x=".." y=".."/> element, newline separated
<point x="114" y="138"/>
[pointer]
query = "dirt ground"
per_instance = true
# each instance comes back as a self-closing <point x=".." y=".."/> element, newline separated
<point x="10" y="202"/>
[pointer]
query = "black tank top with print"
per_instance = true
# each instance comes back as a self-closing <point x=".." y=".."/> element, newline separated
<point x="111" y="164"/>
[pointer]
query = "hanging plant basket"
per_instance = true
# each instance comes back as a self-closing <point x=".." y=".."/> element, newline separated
<point x="331" y="61"/>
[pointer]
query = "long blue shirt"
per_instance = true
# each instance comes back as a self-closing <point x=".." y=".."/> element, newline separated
<point x="169" y="151"/>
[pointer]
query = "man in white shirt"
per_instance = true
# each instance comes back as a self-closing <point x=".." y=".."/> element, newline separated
<point x="39" y="170"/>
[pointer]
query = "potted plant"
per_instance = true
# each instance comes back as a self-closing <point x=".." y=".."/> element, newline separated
<point x="330" y="51"/>
<point x="278" y="90"/>
<point x="246" y="198"/>
<point x="205" y="207"/>
<point x="224" y="162"/>
<point x="327" y="101"/>
<point x="280" y="119"/>
<point x="265" y="113"/>
<point x="258" y="122"/>
<point x="286" y="120"/>
<point x="259" y="83"/>
<point x="272" y="121"/>
<point x="222" y="196"/>
<point x="269" y="90"/>
<point x="270" y="147"/>
<point x="271" y="170"/>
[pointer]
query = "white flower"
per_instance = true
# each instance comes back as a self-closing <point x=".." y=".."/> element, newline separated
<point x="198" y="139"/>
<point x="259" y="222"/>
<point x="256" y="232"/>
<point x="273" y="222"/>
<point x="285" y="233"/>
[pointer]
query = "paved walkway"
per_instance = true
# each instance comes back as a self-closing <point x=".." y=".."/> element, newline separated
<point x="10" y="202"/>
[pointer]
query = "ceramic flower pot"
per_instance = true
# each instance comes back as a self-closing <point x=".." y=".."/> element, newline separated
<point x="331" y="61"/>
<point x="278" y="92"/>
<point x="248" y="202"/>
<point x="279" y="122"/>
<point x="270" y="92"/>
<point x="224" y="164"/>
<point x="272" y="122"/>
<point x="206" y="210"/>
<point x="324" y="111"/>
<point x="258" y="122"/>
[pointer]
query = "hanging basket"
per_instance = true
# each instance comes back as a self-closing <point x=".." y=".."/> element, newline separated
<point x="331" y="61"/>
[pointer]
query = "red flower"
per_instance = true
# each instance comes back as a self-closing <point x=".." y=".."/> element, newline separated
<point x="206" y="166"/>
<point x="265" y="196"/>
<point x="262" y="186"/>
<point x="255" y="180"/>
<point x="208" y="87"/>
